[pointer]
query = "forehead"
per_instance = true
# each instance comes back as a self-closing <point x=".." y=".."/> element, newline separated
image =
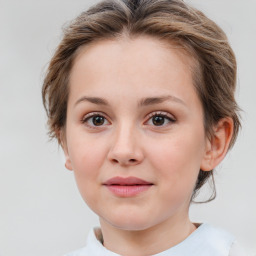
<point x="126" y="50"/>
<point x="132" y="49"/>
<point x="145" y="64"/>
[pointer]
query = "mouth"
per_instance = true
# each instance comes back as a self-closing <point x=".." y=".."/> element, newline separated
<point x="128" y="186"/>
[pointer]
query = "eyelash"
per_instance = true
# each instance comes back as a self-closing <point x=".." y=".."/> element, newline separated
<point x="89" y="116"/>
<point x="165" y="115"/>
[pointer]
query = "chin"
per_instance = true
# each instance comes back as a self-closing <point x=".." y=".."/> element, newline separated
<point x="131" y="222"/>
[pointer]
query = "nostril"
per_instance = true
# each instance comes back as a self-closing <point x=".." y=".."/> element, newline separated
<point x="129" y="161"/>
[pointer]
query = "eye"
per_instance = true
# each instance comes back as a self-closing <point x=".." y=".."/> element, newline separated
<point x="95" y="120"/>
<point x="160" y="119"/>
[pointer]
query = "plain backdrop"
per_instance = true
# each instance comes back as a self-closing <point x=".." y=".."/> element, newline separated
<point x="41" y="211"/>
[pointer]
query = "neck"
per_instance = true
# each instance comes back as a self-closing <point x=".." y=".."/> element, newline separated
<point x="148" y="241"/>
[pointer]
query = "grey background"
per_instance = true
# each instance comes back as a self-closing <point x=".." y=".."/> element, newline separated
<point x="41" y="211"/>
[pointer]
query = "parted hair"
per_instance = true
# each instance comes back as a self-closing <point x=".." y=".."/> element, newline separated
<point x="175" y="22"/>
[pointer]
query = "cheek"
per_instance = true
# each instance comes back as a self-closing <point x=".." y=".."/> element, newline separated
<point x="178" y="159"/>
<point x="86" y="172"/>
<point x="86" y="152"/>
<point x="87" y="158"/>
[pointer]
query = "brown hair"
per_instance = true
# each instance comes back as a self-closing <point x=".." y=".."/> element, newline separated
<point x="170" y="20"/>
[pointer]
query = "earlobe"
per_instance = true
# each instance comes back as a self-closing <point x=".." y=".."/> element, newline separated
<point x="217" y="146"/>
<point x="68" y="164"/>
<point x="64" y="147"/>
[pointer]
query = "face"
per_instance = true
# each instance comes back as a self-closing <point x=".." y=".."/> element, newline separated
<point x="134" y="135"/>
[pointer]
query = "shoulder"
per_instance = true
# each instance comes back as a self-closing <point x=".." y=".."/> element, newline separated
<point x="220" y="241"/>
<point x="209" y="240"/>
<point x="237" y="250"/>
<point x="93" y="246"/>
<point x="215" y="234"/>
<point x="85" y="251"/>
<point x="80" y="252"/>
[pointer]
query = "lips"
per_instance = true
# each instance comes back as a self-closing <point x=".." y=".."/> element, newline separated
<point x="129" y="181"/>
<point x="127" y="186"/>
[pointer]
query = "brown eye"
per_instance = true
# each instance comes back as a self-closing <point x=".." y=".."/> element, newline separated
<point x="98" y="120"/>
<point x="158" y="120"/>
<point x="93" y="120"/>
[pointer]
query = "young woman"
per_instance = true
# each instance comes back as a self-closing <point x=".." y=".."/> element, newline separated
<point x="140" y="95"/>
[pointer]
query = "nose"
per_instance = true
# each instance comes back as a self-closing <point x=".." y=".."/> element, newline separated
<point x="126" y="149"/>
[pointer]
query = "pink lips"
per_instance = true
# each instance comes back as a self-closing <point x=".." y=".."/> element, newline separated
<point x="127" y="187"/>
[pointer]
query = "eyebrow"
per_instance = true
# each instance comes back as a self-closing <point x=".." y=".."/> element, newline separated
<point x="143" y="102"/>
<point x="158" y="100"/>
<point x="94" y="100"/>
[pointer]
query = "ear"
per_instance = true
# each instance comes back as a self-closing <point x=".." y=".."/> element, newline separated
<point x="63" y="143"/>
<point x="217" y="146"/>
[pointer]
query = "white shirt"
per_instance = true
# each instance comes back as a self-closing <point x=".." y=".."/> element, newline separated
<point x="205" y="240"/>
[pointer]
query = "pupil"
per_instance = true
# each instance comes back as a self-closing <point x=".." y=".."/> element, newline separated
<point x="158" y="120"/>
<point x="98" y="120"/>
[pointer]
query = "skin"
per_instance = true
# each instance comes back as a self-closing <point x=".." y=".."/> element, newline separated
<point x="123" y="73"/>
